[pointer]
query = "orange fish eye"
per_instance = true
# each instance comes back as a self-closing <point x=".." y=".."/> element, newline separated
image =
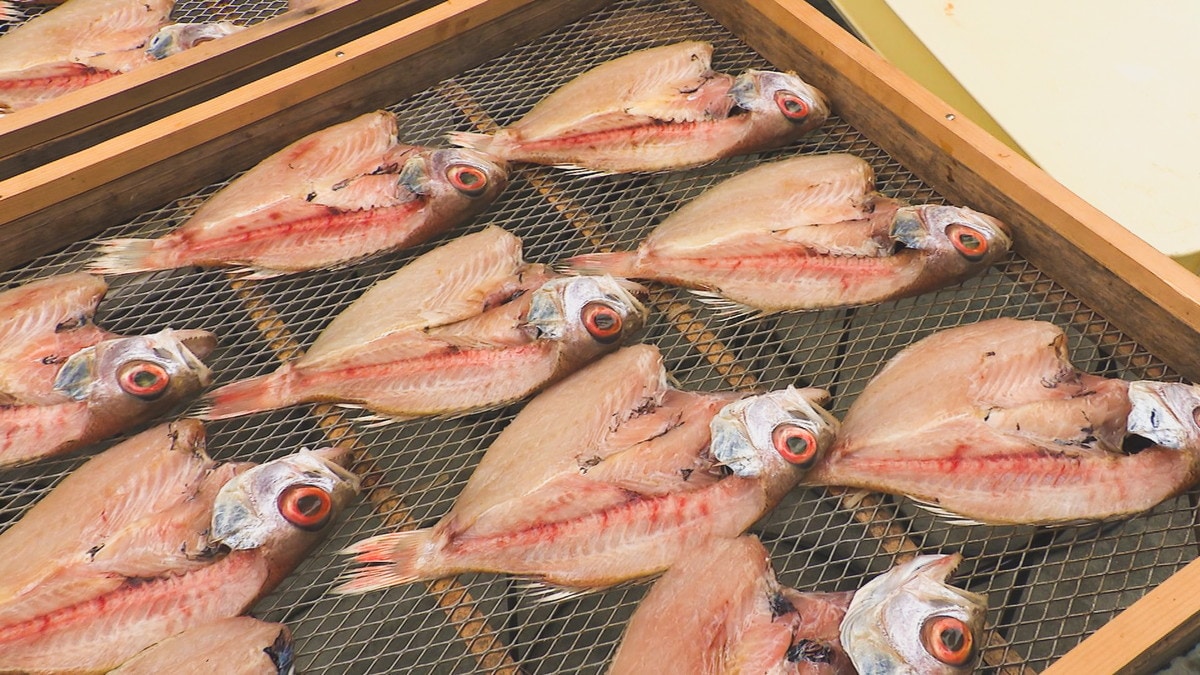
<point x="792" y="106"/>
<point x="969" y="241"/>
<point x="143" y="379"/>
<point x="601" y="322"/>
<point x="948" y="639"/>
<point x="308" y="507"/>
<point x="467" y="179"/>
<point x="795" y="444"/>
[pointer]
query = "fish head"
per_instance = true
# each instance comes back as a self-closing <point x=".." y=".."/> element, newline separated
<point x="284" y="506"/>
<point x="965" y="241"/>
<point x="595" y="311"/>
<point x="779" y="430"/>
<point x="909" y="620"/>
<point x="782" y="96"/>
<point x="467" y="179"/>
<point x="134" y="378"/>
<point x="178" y="37"/>
<point x="1167" y="413"/>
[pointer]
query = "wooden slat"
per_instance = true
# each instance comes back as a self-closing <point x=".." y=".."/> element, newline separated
<point x="76" y="196"/>
<point x="1142" y="291"/>
<point x="1146" y="635"/>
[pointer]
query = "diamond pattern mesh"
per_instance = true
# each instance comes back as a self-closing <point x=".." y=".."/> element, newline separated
<point x="1048" y="588"/>
<point x="241" y="12"/>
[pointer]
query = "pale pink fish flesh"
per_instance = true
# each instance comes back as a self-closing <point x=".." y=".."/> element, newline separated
<point x="332" y="198"/>
<point x="238" y="646"/>
<point x="138" y="554"/>
<point x="484" y="330"/>
<point x="607" y="476"/>
<point x="74" y="45"/>
<point x="720" y="610"/>
<point x="107" y="388"/>
<point x="909" y="621"/>
<point x="658" y="109"/>
<point x="42" y="323"/>
<point x="808" y="233"/>
<point x="990" y="422"/>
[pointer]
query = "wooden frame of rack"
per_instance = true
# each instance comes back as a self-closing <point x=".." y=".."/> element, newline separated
<point x="1142" y="292"/>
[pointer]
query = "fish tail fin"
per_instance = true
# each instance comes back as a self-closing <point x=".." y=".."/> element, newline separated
<point x="130" y="256"/>
<point x="474" y="141"/>
<point x="618" y="264"/>
<point x="390" y="560"/>
<point x="255" y="394"/>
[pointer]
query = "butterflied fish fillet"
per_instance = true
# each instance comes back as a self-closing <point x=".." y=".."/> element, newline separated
<point x="150" y="539"/>
<point x="334" y="197"/>
<point x="107" y="388"/>
<point x="909" y="621"/>
<point x="805" y="233"/>
<point x="465" y="327"/>
<point x="657" y="109"/>
<point x="607" y="476"/>
<point x="992" y="423"/>
<point x="42" y="323"/>
<point x="241" y="645"/>
<point x="720" y="610"/>
<point x="74" y="45"/>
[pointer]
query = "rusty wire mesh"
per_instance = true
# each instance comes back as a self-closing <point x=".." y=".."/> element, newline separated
<point x="1048" y="588"/>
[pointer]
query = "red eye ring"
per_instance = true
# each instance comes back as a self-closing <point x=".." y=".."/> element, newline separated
<point x="308" y="507"/>
<point x="969" y="241"/>
<point x="948" y="639"/>
<point x="467" y="179"/>
<point x="602" y="322"/>
<point x="792" y="106"/>
<point x="795" y="444"/>
<point x="143" y="379"/>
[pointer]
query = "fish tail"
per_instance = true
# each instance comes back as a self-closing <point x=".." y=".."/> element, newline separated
<point x="130" y="256"/>
<point x="255" y="394"/>
<point x="474" y="141"/>
<point x="390" y="560"/>
<point x="618" y="264"/>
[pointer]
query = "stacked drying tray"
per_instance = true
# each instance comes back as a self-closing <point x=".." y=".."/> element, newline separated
<point x="1128" y="311"/>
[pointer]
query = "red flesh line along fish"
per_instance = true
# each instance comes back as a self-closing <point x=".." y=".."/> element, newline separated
<point x="334" y="197"/>
<point x="808" y="233"/>
<point x="465" y="327"/>
<point x="720" y="610"/>
<point x="150" y="539"/>
<point x="658" y="109"/>
<point x="609" y="475"/>
<point x="990" y="422"/>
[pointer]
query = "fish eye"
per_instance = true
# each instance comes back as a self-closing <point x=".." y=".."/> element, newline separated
<point x="143" y="379"/>
<point x="308" y="507"/>
<point x="792" y="106"/>
<point x="602" y="322"/>
<point x="968" y="241"/>
<point x="467" y="179"/>
<point x="948" y="639"/>
<point x="795" y="444"/>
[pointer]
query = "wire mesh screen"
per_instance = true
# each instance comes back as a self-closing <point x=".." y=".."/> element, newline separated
<point x="240" y="12"/>
<point x="1047" y="588"/>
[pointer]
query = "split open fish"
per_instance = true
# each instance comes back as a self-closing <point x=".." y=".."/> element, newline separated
<point x="152" y="538"/>
<point x="806" y="233"/>
<point x="657" y="109"/>
<point x="465" y="327"/>
<point x="990" y="422"/>
<point x="607" y="476"/>
<point x="334" y="197"/>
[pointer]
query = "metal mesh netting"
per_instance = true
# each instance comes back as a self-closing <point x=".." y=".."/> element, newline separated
<point x="241" y="12"/>
<point x="1047" y="588"/>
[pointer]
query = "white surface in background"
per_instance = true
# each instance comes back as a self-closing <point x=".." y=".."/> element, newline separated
<point x="1103" y="95"/>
